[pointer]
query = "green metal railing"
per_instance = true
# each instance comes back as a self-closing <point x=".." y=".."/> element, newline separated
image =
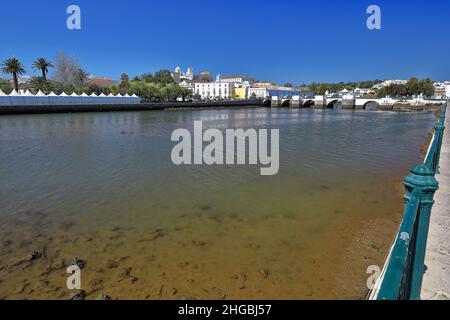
<point x="403" y="273"/>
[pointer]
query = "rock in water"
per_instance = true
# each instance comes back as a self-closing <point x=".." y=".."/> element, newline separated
<point x="78" y="262"/>
<point x="104" y="297"/>
<point x="78" y="295"/>
<point x="34" y="256"/>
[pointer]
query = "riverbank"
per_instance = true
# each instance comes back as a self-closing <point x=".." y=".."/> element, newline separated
<point x="36" y="109"/>
<point x="101" y="187"/>
<point x="415" y="107"/>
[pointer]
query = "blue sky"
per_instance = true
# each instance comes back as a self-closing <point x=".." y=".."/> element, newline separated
<point x="279" y="40"/>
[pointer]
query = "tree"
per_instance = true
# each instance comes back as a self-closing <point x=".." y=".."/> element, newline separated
<point x="124" y="77"/>
<point x="39" y="83"/>
<point x="163" y="76"/>
<point x="427" y="87"/>
<point x="13" y="66"/>
<point x="412" y="86"/>
<point x="42" y="65"/>
<point x="185" y="93"/>
<point x="93" y="88"/>
<point x="5" y="86"/>
<point x="147" y="77"/>
<point x="67" y="71"/>
<point x="288" y="84"/>
<point x="124" y="85"/>
<point x="81" y="77"/>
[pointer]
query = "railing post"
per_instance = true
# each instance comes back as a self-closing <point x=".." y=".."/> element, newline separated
<point x="420" y="177"/>
<point x="440" y="127"/>
<point x="439" y="132"/>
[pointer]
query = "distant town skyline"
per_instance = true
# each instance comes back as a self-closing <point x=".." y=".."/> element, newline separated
<point x="299" y="42"/>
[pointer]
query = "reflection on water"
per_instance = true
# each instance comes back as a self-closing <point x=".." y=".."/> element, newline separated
<point x="102" y="187"/>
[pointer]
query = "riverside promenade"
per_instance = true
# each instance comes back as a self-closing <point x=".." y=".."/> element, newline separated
<point x="436" y="281"/>
<point x="147" y="106"/>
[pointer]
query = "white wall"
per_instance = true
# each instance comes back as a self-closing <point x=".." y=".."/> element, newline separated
<point x="213" y="90"/>
<point x="259" y="92"/>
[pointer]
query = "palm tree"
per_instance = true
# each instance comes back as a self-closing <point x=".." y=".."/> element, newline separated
<point x="13" y="66"/>
<point x="43" y="65"/>
<point x="39" y="83"/>
<point x="81" y="76"/>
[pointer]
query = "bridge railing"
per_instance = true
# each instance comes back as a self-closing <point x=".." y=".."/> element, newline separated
<point x="402" y="274"/>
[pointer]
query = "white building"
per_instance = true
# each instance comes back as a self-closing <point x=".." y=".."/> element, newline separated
<point x="359" y="92"/>
<point x="187" y="84"/>
<point x="238" y="81"/>
<point x="214" y="90"/>
<point x="439" y="90"/>
<point x="179" y="75"/>
<point x="258" y="93"/>
<point x="447" y="90"/>
<point x="387" y="83"/>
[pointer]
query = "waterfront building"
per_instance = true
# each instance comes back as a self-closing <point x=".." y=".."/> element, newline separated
<point x="187" y="84"/>
<point x="440" y="90"/>
<point x="214" y="90"/>
<point x="447" y="90"/>
<point x="238" y="81"/>
<point x="258" y="93"/>
<point x="280" y="92"/>
<point x="241" y="93"/>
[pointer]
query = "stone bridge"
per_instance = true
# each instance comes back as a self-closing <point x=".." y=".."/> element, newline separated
<point x="320" y="102"/>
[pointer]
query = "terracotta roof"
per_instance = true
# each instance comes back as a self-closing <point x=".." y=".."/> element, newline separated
<point x="243" y="77"/>
<point x="101" y="82"/>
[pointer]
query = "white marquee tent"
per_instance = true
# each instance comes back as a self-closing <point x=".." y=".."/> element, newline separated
<point x="40" y="98"/>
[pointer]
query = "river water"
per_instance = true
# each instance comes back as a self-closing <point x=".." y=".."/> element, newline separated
<point x="102" y="187"/>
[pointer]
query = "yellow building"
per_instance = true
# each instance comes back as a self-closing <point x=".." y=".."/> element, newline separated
<point x="240" y="93"/>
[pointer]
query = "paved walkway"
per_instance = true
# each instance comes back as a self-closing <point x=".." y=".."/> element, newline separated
<point x="436" y="281"/>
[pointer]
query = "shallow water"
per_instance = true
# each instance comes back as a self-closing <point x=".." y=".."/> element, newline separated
<point x="102" y="187"/>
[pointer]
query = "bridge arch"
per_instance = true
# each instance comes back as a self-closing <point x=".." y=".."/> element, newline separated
<point x="334" y="104"/>
<point x="371" y="105"/>
<point x="308" y="103"/>
<point x="286" y="103"/>
<point x="267" y="103"/>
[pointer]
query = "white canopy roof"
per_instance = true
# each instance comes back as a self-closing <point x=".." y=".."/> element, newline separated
<point x="102" y="95"/>
<point x="40" y="94"/>
<point x="93" y="94"/>
<point x="84" y="95"/>
<point x="2" y="94"/>
<point x="74" y="95"/>
<point x="63" y="94"/>
<point x="14" y="93"/>
<point x="127" y="95"/>
<point x="52" y="94"/>
<point x="110" y="95"/>
<point x="134" y="95"/>
<point x="28" y="93"/>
